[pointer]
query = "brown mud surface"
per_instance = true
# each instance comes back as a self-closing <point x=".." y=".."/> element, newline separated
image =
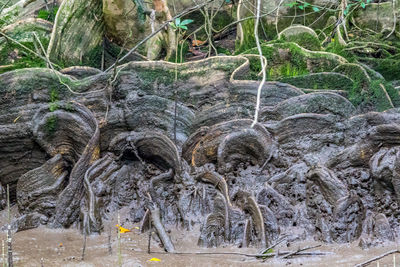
<point x="63" y="247"/>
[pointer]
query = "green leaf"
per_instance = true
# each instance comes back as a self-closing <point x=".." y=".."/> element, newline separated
<point x="173" y="25"/>
<point x="183" y="27"/>
<point x="178" y="21"/>
<point x="363" y="5"/>
<point x="306" y="4"/>
<point x="346" y="11"/>
<point x="186" y="22"/>
<point x="292" y="4"/>
<point x="316" y="9"/>
<point x="301" y="7"/>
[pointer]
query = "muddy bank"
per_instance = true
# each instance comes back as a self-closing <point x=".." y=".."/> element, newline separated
<point x="314" y="167"/>
<point x="64" y="248"/>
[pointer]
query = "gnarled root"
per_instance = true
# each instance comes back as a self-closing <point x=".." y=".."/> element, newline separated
<point x="162" y="234"/>
<point x="248" y="204"/>
<point x="217" y="180"/>
<point x="216" y="229"/>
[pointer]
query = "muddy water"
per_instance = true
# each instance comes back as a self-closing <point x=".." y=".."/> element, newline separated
<point x="55" y="247"/>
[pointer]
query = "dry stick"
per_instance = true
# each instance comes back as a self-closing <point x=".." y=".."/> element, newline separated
<point x="273" y="245"/>
<point x="148" y="243"/>
<point x="365" y="263"/>
<point x="109" y="241"/>
<point x="84" y="247"/>
<point x="247" y="255"/>
<point x="9" y="237"/>
<point x="119" y="242"/>
<point x="8" y="205"/>
<point x="183" y="13"/>
<point x="102" y="56"/>
<point x="300" y="250"/>
<point x="3" y="254"/>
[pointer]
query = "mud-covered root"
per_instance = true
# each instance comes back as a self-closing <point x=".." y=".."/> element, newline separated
<point x="91" y="221"/>
<point x="216" y="229"/>
<point x="64" y="128"/>
<point x="375" y="230"/>
<point x="169" y="175"/>
<point x="349" y="214"/>
<point x="67" y="208"/>
<point x="385" y="169"/>
<point x="38" y="190"/>
<point x="249" y="205"/>
<point x="247" y="145"/>
<point x="148" y="146"/>
<point x="331" y="187"/>
<point x="247" y="233"/>
<point x="162" y="234"/>
<point x="227" y="144"/>
<point x="145" y="222"/>
<point x="214" y="178"/>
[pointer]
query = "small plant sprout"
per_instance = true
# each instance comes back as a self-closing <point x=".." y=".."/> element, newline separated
<point x="180" y="25"/>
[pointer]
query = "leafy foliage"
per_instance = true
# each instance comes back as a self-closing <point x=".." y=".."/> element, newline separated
<point x="180" y="25"/>
<point x="302" y="5"/>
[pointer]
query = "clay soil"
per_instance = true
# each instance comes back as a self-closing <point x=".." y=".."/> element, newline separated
<point x="55" y="247"/>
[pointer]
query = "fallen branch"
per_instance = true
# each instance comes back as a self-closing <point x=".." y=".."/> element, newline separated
<point x="299" y="250"/>
<point x="365" y="263"/>
<point x="269" y="255"/>
<point x="280" y="240"/>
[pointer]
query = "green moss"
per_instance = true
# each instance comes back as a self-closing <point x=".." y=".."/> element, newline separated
<point x="53" y="105"/>
<point x="331" y="81"/>
<point x="49" y="15"/>
<point x="336" y="48"/>
<point x="389" y="68"/>
<point x="185" y="49"/>
<point x="249" y="41"/>
<point x="51" y="124"/>
<point x="378" y="96"/>
<point x="305" y="40"/>
<point x="286" y="59"/>
<point x="222" y="50"/>
<point x="14" y="56"/>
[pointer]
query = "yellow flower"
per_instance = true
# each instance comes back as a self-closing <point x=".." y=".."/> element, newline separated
<point x="122" y="230"/>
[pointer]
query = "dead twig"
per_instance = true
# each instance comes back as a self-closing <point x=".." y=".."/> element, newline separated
<point x="280" y="240"/>
<point x="84" y="247"/>
<point x="365" y="263"/>
<point x="270" y="255"/>
<point x="299" y="250"/>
